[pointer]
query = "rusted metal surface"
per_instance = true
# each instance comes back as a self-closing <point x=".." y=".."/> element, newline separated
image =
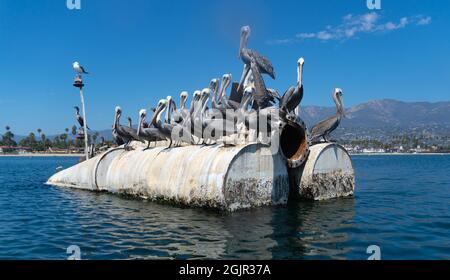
<point x="294" y="142"/>
<point x="227" y="178"/>
<point x="328" y="173"/>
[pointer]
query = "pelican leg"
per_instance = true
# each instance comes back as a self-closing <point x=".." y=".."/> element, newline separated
<point x="148" y="146"/>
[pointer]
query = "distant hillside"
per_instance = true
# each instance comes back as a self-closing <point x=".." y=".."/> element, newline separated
<point x="382" y="115"/>
<point x="385" y="113"/>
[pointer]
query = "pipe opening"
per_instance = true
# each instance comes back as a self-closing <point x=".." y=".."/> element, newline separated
<point x="294" y="144"/>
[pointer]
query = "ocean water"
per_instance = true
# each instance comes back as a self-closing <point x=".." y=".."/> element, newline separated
<point x="401" y="204"/>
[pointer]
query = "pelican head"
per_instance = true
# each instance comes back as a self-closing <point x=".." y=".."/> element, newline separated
<point x="214" y="85"/>
<point x="197" y="95"/>
<point x="226" y="78"/>
<point x="245" y="31"/>
<point x="117" y="114"/>
<point x="301" y="61"/>
<point x="337" y="96"/>
<point x="77" y="109"/>
<point x="247" y="96"/>
<point x="76" y="64"/>
<point x="249" y="90"/>
<point x="184" y="95"/>
<point x="206" y="93"/>
<point x="142" y="113"/>
<point x="170" y="100"/>
<point x="118" y="110"/>
<point x="161" y="103"/>
<point x="183" y="98"/>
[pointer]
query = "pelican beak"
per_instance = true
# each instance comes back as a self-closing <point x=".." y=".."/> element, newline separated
<point x="173" y="104"/>
<point x="141" y="119"/>
<point x="155" y="114"/>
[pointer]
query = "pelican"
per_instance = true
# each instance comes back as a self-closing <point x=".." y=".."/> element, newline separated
<point x="263" y="64"/>
<point x="78" y="68"/>
<point x="149" y="134"/>
<point x="130" y="122"/>
<point x="165" y="129"/>
<point x="80" y="118"/>
<point x="325" y="127"/>
<point x="261" y="95"/>
<point x="119" y="140"/>
<point x="294" y="95"/>
<point x="180" y="114"/>
<point x="126" y="133"/>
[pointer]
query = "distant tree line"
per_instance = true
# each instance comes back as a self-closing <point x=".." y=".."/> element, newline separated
<point x="39" y="142"/>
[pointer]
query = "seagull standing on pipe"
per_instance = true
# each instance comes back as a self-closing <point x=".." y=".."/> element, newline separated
<point x="78" y="68"/>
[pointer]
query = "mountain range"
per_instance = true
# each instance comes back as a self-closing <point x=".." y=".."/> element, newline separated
<point x="386" y="114"/>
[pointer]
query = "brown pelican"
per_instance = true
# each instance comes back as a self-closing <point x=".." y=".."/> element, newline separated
<point x="261" y="96"/>
<point x="130" y="122"/>
<point x="325" y="127"/>
<point x="166" y="129"/>
<point x="119" y="140"/>
<point x="150" y="134"/>
<point x="126" y="133"/>
<point x="294" y="95"/>
<point x="80" y="118"/>
<point x="180" y="114"/>
<point x="263" y="64"/>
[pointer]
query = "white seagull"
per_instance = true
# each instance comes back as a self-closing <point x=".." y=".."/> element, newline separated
<point x="78" y="68"/>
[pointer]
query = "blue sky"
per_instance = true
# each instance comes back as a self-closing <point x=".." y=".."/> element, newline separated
<point x="140" y="51"/>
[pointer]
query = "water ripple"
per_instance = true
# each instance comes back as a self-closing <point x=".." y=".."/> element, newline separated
<point x="401" y="205"/>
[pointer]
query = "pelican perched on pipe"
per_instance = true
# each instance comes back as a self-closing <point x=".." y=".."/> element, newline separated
<point x="130" y="122"/>
<point x="150" y="134"/>
<point x="79" y="117"/>
<point x="166" y="129"/>
<point x="293" y="96"/>
<point x="261" y="95"/>
<point x="325" y="127"/>
<point x="264" y="65"/>
<point x="180" y="114"/>
<point x="126" y="133"/>
<point x="116" y="137"/>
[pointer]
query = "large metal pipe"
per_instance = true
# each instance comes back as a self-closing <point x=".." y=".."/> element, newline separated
<point x="294" y="142"/>
<point x="227" y="178"/>
<point x="328" y="173"/>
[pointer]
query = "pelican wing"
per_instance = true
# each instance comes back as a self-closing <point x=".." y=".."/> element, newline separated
<point x="261" y="97"/>
<point x="263" y="63"/>
<point x="119" y="140"/>
<point x="131" y="132"/>
<point x="324" y="127"/>
<point x="80" y="120"/>
<point x="285" y="99"/>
